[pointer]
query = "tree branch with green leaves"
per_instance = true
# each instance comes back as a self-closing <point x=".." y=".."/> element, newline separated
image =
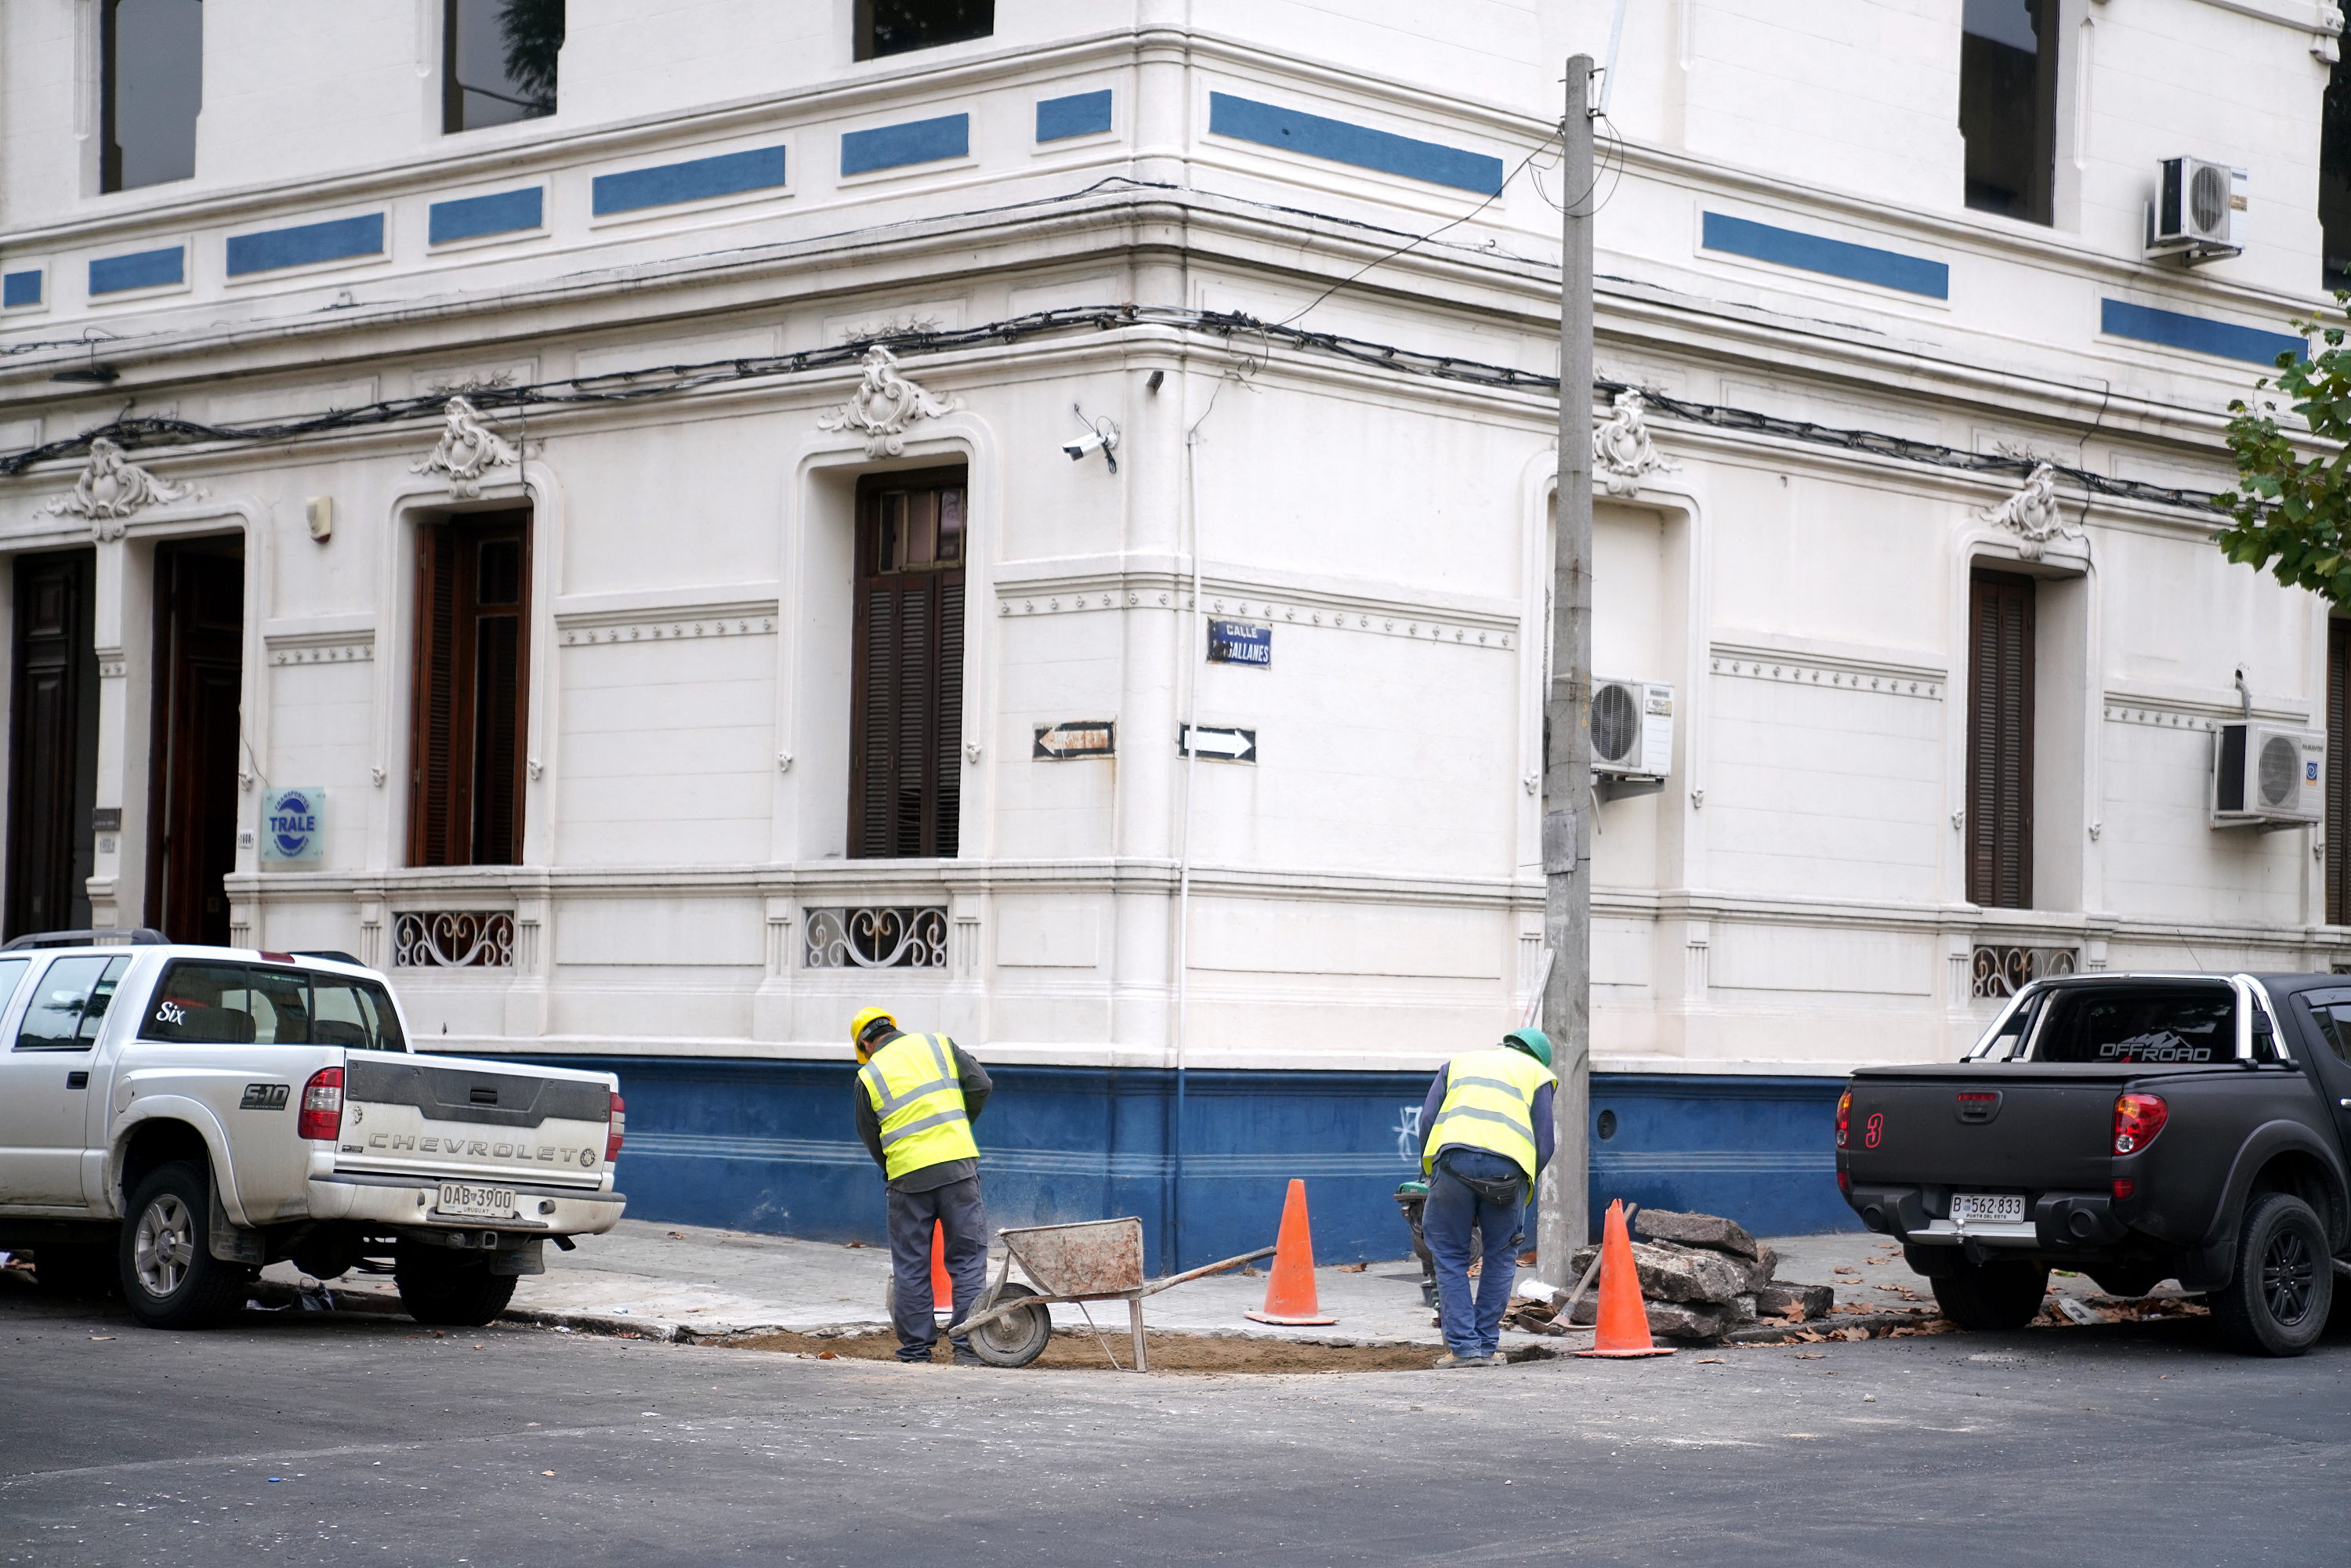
<point x="2291" y="513"/>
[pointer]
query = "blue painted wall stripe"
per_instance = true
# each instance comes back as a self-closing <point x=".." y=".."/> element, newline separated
<point x="770" y="1145"/>
<point x="138" y="269"/>
<point x="306" y="244"/>
<point x="696" y="180"/>
<point x="2198" y="334"/>
<point x="1080" y="114"/>
<point x="470" y="217"/>
<point x="1247" y="120"/>
<point x="1836" y="257"/>
<point x="916" y="142"/>
<point x="19" y="288"/>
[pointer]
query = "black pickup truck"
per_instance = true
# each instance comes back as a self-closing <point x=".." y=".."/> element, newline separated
<point x="2136" y="1128"/>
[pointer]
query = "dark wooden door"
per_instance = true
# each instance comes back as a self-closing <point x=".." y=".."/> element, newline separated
<point x="197" y="738"/>
<point x="52" y="745"/>
<point x="906" y="786"/>
<point x="2000" y="740"/>
<point x="2338" y="772"/>
<point x="469" y="720"/>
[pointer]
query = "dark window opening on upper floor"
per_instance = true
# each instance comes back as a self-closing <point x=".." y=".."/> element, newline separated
<point x="150" y="85"/>
<point x="497" y="61"/>
<point x="895" y="26"/>
<point x="2008" y="105"/>
<point x="2335" y="175"/>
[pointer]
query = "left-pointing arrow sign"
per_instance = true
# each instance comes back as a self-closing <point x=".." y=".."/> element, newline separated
<point x="1223" y="745"/>
<point x="1076" y="737"/>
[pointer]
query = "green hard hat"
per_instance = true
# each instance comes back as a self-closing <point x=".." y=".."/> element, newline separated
<point x="1533" y="1041"/>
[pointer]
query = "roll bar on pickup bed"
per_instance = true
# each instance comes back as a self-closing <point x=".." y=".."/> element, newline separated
<point x="2251" y="996"/>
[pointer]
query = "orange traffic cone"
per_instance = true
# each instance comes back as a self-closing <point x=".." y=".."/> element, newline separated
<point x="942" y="1288"/>
<point x="1623" y="1326"/>
<point x="1290" y="1293"/>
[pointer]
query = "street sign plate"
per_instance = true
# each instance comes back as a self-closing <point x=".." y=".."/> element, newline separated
<point x="1076" y="737"/>
<point x="1240" y="642"/>
<point x="1216" y="742"/>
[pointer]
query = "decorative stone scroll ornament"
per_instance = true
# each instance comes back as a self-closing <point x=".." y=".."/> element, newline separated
<point x="883" y="405"/>
<point x="2032" y="513"/>
<point x="468" y="449"/>
<point x="112" y="488"/>
<point x="1622" y="451"/>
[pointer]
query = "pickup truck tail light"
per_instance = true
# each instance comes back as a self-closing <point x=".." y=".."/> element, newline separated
<point x="322" y="1105"/>
<point x="2138" y="1119"/>
<point x="1845" y="1117"/>
<point x="615" y="1127"/>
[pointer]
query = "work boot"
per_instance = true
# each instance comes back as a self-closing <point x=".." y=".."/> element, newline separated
<point x="1449" y="1362"/>
<point x="968" y="1358"/>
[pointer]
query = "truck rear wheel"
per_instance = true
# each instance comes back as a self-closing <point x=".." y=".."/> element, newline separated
<point x="1989" y="1297"/>
<point x="2276" y="1301"/>
<point x="169" y="1277"/>
<point x="443" y="1287"/>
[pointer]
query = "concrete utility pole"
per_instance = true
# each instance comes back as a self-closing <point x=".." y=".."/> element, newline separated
<point x="1564" y="1223"/>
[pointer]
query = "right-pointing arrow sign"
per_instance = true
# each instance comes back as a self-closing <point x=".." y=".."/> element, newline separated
<point x="1213" y="741"/>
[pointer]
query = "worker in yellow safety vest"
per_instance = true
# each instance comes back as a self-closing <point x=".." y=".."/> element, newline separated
<point x="917" y="1096"/>
<point x="1485" y="1133"/>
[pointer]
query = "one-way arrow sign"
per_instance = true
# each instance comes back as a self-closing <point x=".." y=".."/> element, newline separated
<point x="1076" y="737"/>
<point x="1223" y="745"/>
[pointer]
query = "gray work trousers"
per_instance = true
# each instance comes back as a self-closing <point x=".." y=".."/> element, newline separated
<point x="957" y="1207"/>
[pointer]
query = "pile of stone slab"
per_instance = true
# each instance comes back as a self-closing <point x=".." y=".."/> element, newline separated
<point x="1702" y="1276"/>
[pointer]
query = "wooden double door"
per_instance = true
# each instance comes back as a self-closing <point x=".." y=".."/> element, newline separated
<point x="197" y="736"/>
<point x="52" y="744"/>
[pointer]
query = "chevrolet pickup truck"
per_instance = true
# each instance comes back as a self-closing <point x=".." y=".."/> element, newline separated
<point x="2136" y="1128"/>
<point x="176" y="1117"/>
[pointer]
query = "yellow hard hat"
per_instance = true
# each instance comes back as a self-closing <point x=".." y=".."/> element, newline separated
<point x="866" y="1017"/>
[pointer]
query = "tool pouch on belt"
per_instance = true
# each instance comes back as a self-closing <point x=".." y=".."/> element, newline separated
<point x="1506" y="1192"/>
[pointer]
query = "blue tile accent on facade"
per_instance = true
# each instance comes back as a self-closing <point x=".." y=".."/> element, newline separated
<point x="470" y="217"/>
<point x="20" y="288"/>
<point x="1342" y="142"/>
<point x="1080" y="114"/>
<point x="306" y="245"/>
<point x="696" y="180"/>
<point x="1836" y="257"/>
<point x="770" y="1147"/>
<point x="916" y="142"/>
<point x="138" y="269"/>
<point x="2198" y="334"/>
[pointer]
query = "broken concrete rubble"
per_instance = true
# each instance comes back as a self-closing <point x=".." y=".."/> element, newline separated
<point x="1703" y="1276"/>
<point x="1697" y="1230"/>
<point x="1806" y="1300"/>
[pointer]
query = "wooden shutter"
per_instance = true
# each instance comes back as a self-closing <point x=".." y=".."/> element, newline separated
<point x="471" y="694"/>
<point x="2000" y="740"/>
<point x="2339" y="773"/>
<point x="906" y="693"/>
<point x="53" y="745"/>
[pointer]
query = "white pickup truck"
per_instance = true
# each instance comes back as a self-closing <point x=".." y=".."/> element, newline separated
<point x="179" y="1116"/>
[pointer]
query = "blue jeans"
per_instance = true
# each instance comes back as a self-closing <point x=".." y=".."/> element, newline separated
<point x="1472" y="1328"/>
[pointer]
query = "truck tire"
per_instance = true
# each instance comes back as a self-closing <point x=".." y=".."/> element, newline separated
<point x="441" y="1287"/>
<point x="1991" y="1297"/>
<point x="169" y="1277"/>
<point x="2277" y="1299"/>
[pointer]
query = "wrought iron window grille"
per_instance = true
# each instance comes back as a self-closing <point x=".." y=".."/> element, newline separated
<point x="875" y="937"/>
<point x="454" y="939"/>
<point x="2002" y="971"/>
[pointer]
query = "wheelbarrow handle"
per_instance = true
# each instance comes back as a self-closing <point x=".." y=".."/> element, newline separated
<point x="1156" y="1286"/>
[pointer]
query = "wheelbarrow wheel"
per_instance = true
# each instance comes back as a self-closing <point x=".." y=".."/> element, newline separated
<point x="1017" y="1338"/>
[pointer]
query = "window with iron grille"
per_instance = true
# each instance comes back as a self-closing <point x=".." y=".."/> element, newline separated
<point x="906" y="698"/>
<point x="2000" y="740"/>
<point x="470" y="709"/>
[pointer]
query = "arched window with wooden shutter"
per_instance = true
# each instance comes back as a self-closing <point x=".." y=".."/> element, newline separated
<point x="2000" y="739"/>
<point x="906" y="699"/>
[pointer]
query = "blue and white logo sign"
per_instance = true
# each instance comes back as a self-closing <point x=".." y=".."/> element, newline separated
<point x="293" y="825"/>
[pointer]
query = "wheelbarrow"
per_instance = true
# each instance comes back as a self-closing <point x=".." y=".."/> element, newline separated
<point x="1094" y="1260"/>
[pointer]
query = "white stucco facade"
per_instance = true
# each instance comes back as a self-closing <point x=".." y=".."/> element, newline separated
<point x="1366" y="893"/>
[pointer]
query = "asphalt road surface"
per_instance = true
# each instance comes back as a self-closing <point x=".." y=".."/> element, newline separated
<point x="340" y="1440"/>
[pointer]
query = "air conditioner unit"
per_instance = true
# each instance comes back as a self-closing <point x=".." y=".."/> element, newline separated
<point x="2199" y="211"/>
<point x="1632" y="729"/>
<point x="2267" y="774"/>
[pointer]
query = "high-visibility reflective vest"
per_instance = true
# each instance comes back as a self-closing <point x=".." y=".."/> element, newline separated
<point x="913" y="1089"/>
<point x="1490" y="1103"/>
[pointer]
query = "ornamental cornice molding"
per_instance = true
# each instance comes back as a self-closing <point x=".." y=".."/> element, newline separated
<point x="1148" y="591"/>
<point x="671" y="623"/>
<point x="1922" y="681"/>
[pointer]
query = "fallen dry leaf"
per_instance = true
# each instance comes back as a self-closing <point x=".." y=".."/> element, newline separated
<point x="1809" y="1355"/>
<point x="828" y="1356"/>
<point x="546" y="1472"/>
<point x="1850" y="1335"/>
<point x="1353" y="1268"/>
<point x="1709" y="1361"/>
<point x="852" y="1246"/>
<point x="95" y="1337"/>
